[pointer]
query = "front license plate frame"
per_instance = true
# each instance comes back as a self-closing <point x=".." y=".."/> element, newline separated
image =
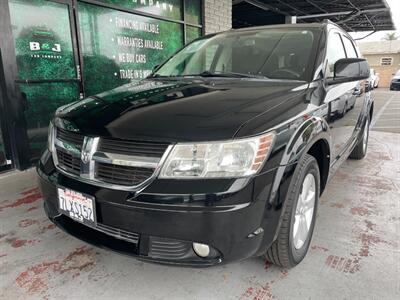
<point x="77" y="206"/>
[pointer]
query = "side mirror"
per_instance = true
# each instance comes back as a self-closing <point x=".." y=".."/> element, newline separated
<point x="349" y="69"/>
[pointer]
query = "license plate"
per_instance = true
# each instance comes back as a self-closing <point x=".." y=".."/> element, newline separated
<point x="77" y="206"/>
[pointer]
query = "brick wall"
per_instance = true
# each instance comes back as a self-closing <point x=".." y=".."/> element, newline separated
<point x="217" y="15"/>
<point x="385" y="74"/>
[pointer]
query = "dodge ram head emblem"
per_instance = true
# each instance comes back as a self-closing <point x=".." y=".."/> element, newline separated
<point x="85" y="157"/>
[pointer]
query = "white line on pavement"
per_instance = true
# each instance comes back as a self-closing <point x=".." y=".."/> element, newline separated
<point x="378" y="115"/>
<point x="386" y="127"/>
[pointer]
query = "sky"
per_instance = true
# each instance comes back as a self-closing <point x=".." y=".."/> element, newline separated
<point x="377" y="36"/>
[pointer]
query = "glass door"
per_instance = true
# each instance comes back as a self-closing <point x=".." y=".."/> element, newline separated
<point x="47" y="60"/>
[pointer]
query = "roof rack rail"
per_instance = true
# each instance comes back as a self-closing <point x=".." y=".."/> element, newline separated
<point x="327" y="21"/>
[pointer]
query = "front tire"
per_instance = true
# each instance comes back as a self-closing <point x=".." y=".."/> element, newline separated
<point x="298" y="218"/>
<point x="360" y="150"/>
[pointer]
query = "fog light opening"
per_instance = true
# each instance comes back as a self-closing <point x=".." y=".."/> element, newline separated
<point x="201" y="250"/>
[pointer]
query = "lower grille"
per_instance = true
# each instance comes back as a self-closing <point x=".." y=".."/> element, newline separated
<point x="168" y="249"/>
<point x="68" y="162"/>
<point x="118" y="233"/>
<point x="122" y="175"/>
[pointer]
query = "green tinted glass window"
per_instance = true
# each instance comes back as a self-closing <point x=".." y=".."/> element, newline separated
<point x="42" y="38"/>
<point x="126" y="48"/>
<point x="42" y="101"/>
<point x="193" y="11"/>
<point x="43" y="47"/>
<point x="192" y="33"/>
<point x="166" y="8"/>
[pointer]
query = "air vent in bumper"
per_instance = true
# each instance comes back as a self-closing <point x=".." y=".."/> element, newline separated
<point x="169" y="249"/>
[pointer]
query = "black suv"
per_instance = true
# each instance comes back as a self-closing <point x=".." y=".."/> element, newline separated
<point x="221" y="154"/>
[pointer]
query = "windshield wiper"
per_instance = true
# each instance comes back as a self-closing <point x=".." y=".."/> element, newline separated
<point x="226" y="74"/>
<point x="162" y="76"/>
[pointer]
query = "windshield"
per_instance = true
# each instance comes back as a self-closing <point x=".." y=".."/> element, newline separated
<point x="281" y="53"/>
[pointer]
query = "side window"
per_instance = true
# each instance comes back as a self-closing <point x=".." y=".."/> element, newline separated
<point x="335" y="51"/>
<point x="350" y="50"/>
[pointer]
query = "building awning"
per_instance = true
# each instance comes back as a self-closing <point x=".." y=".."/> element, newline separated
<point x="352" y="15"/>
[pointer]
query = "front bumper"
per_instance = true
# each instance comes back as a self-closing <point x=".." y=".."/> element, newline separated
<point x="225" y="220"/>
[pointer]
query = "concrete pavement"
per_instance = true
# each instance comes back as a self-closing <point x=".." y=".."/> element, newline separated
<point x="355" y="252"/>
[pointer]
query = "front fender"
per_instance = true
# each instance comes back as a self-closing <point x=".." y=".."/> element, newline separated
<point x="304" y="137"/>
<point x="309" y="132"/>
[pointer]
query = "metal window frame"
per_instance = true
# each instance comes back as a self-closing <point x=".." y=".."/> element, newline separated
<point x="4" y="134"/>
<point x="11" y="102"/>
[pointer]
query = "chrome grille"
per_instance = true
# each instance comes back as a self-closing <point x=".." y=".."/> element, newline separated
<point x="125" y="175"/>
<point x="68" y="162"/>
<point x="152" y="149"/>
<point x="111" y="163"/>
<point x="70" y="137"/>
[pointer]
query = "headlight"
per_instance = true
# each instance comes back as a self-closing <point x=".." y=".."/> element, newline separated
<point x="236" y="158"/>
<point x="50" y="137"/>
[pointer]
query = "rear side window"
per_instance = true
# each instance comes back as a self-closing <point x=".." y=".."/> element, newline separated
<point x="350" y="50"/>
<point x="335" y="51"/>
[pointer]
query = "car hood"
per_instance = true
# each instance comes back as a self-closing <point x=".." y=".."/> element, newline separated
<point x="177" y="110"/>
<point x="396" y="77"/>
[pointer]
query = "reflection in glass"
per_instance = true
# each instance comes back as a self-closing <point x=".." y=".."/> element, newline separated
<point x="193" y="11"/>
<point x="118" y="47"/>
<point x="192" y="33"/>
<point x="42" y="101"/>
<point x="43" y="45"/>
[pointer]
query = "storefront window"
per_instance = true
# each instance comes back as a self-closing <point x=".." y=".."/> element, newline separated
<point x="44" y="52"/>
<point x="62" y="58"/>
<point x="192" y="33"/>
<point x="164" y="8"/>
<point x="126" y="48"/>
<point x="193" y="11"/>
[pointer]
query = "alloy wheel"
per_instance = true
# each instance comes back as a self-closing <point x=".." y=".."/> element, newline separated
<point x="304" y="211"/>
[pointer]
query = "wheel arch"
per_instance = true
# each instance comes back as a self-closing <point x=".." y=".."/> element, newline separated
<point x="371" y="111"/>
<point x="311" y="137"/>
<point x="321" y="152"/>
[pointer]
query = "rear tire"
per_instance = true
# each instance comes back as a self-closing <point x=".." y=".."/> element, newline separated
<point x="360" y="150"/>
<point x="289" y="249"/>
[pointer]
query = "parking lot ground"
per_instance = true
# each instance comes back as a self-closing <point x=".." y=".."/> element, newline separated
<point x="354" y="254"/>
<point x="387" y="111"/>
